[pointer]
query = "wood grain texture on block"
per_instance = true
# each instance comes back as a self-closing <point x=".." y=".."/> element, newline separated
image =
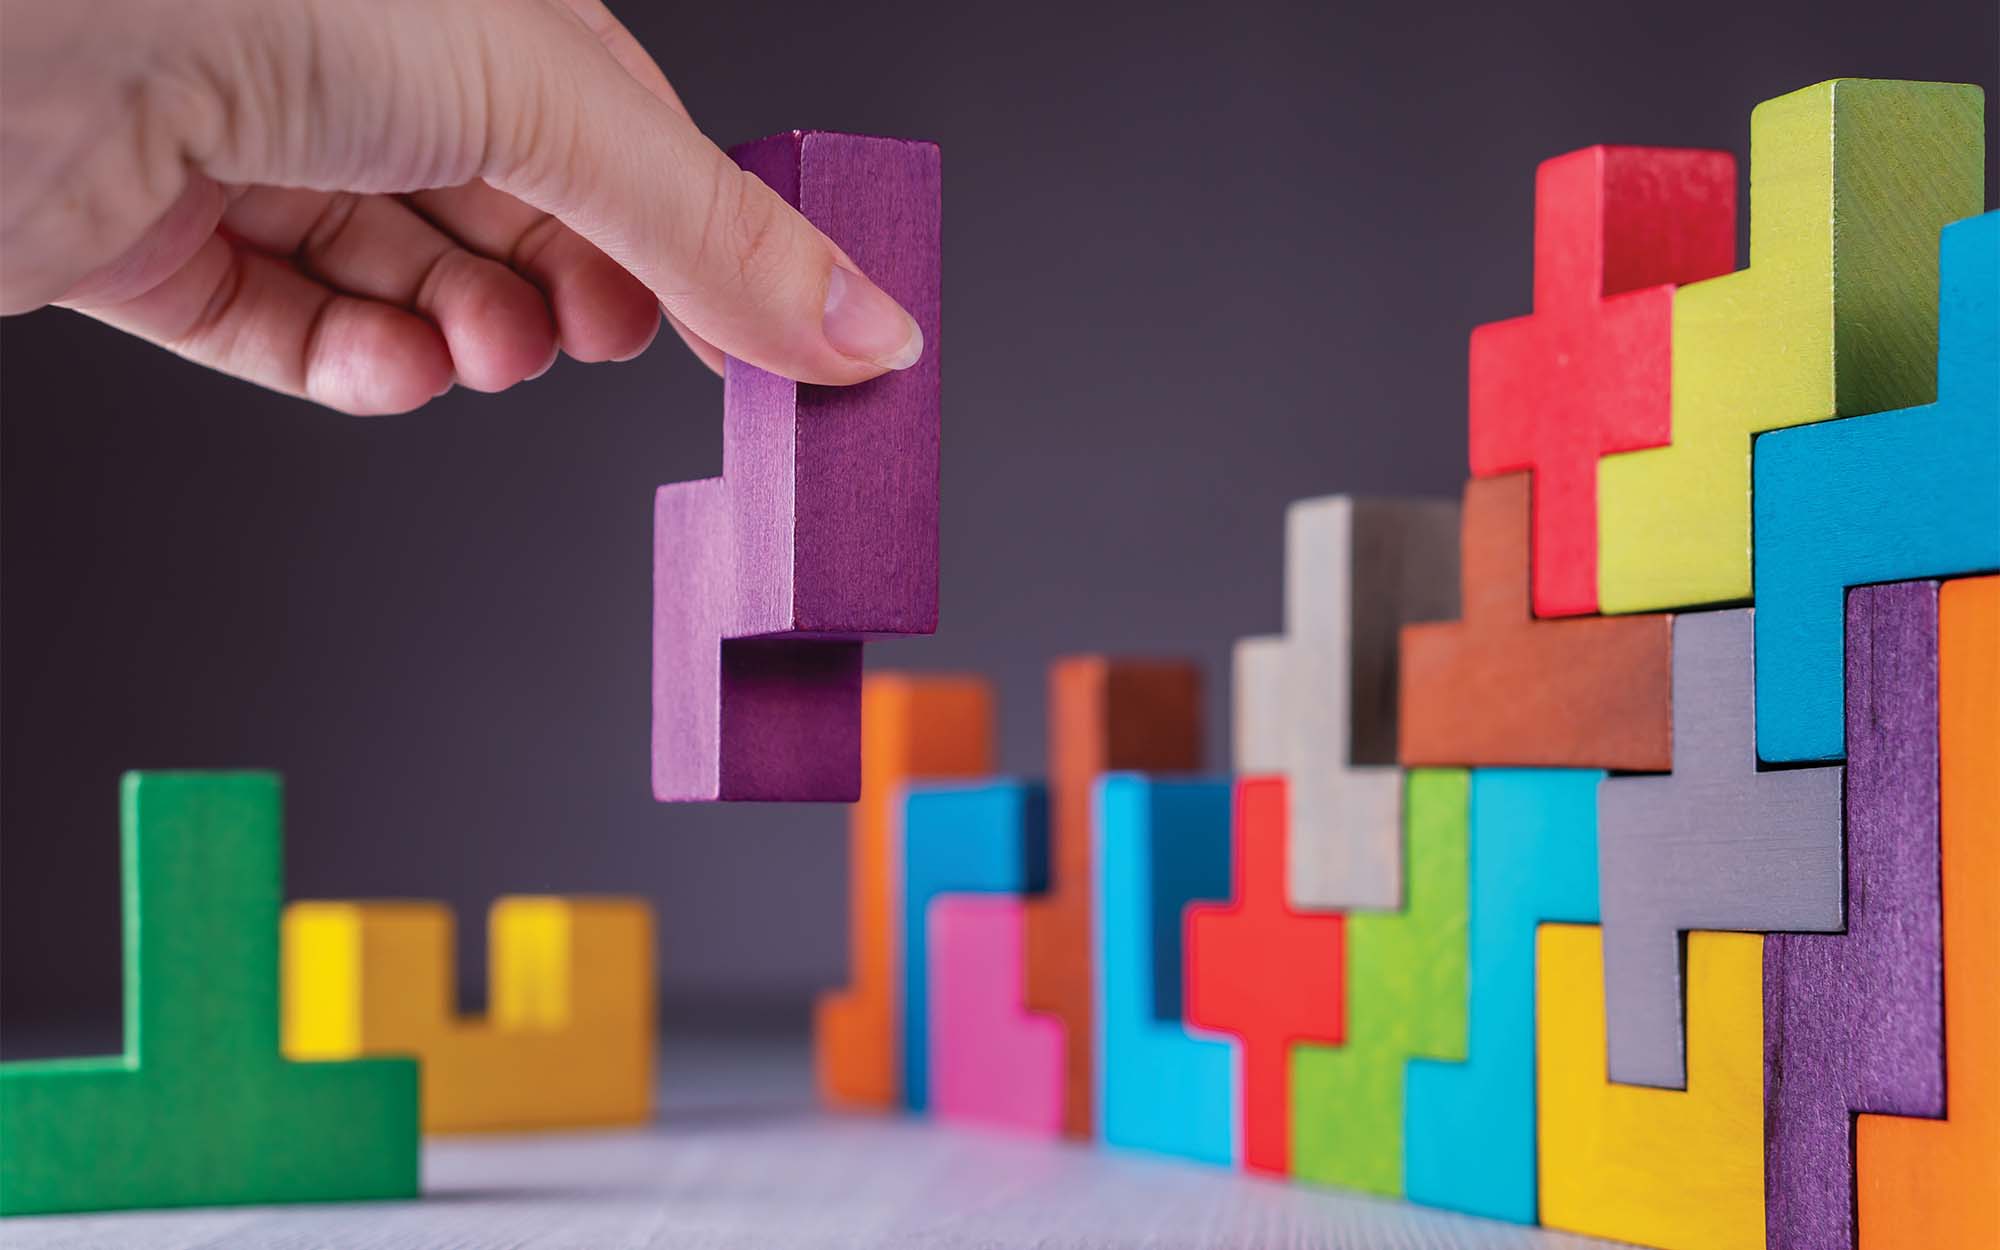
<point x="201" y="1109"/>
<point x="1105" y="713"/>
<point x="1677" y="1169"/>
<point x="992" y="1062"/>
<point x="1469" y="1127"/>
<point x="572" y="1025"/>
<point x="913" y="727"/>
<point x="821" y="531"/>
<point x="1160" y="846"/>
<point x="1835" y="316"/>
<point x="1715" y="844"/>
<point x="1499" y="687"/>
<point x="1406" y="998"/>
<point x="1930" y="1182"/>
<point x="1881" y="498"/>
<point x="1318" y="703"/>
<point x="1263" y="973"/>
<point x="1853" y="1021"/>
<point x="1587" y="372"/>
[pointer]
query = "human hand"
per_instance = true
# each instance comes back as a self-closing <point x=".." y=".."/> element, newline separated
<point x="363" y="202"/>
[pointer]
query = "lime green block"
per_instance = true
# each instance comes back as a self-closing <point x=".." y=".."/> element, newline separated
<point x="200" y="1109"/>
<point x="1406" y="998"/>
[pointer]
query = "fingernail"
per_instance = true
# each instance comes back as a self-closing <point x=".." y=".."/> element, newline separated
<point x="554" y="354"/>
<point x="864" y="323"/>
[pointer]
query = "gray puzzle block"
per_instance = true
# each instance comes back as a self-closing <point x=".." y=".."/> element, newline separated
<point x="1715" y="844"/>
<point x="1318" y="704"/>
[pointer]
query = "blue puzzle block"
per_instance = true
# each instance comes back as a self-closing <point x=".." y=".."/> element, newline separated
<point x="1469" y="1128"/>
<point x="1882" y="498"/>
<point x="984" y="838"/>
<point x="1159" y="845"/>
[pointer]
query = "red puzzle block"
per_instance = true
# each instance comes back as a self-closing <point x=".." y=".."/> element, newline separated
<point x="1263" y="973"/>
<point x="1588" y="372"/>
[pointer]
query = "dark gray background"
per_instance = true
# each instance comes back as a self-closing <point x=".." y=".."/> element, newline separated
<point x="1196" y="266"/>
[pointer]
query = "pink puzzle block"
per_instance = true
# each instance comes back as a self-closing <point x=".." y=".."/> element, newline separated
<point x="992" y="1061"/>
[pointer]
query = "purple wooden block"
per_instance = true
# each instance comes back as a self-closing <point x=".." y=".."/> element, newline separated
<point x="1853" y="1022"/>
<point x="822" y="530"/>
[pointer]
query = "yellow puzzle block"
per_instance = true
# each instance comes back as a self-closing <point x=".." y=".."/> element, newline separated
<point x="1660" y="1167"/>
<point x="1850" y="182"/>
<point x="570" y="1036"/>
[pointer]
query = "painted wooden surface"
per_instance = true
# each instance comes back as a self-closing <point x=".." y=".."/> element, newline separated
<point x="1160" y="845"/>
<point x="992" y="1061"/>
<point x="1105" y="713"/>
<point x="1930" y="1182"/>
<point x="1263" y="973"/>
<point x="1499" y="687"/>
<point x="1406" y="997"/>
<point x="1677" y="1169"/>
<point x="572" y="1025"/>
<point x="1587" y="372"/>
<point x="822" y="529"/>
<point x="913" y="727"/>
<point x="1469" y="1127"/>
<point x="1317" y="704"/>
<point x="1715" y="844"/>
<point x="1853" y="1021"/>
<point x="1835" y="316"/>
<point x="200" y="1109"/>
<point x="1881" y="498"/>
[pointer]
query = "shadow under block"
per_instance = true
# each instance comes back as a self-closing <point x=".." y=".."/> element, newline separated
<point x="1161" y="846"/>
<point x="1105" y="713"/>
<point x="1263" y="973"/>
<point x="1405" y="986"/>
<point x="992" y="1061"/>
<point x="1587" y="372"/>
<point x="1852" y="1021"/>
<point x="1681" y="1170"/>
<point x="1882" y="498"/>
<point x="1835" y="316"/>
<point x="200" y="1109"/>
<point x="1317" y="704"/>
<point x="1715" y="844"/>
<point x="912" y="728"/>
<point x="984" y="838"/>
<point x="1469" y="1127"/>
<point x="822" y="530"/>
<point x="1499" y="687"/>
<point x="1930" y="1182"/>
<point x="572" y="1026"/>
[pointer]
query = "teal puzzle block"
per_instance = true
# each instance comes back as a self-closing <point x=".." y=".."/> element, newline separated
<point x="1469" y="1128"/>
<point x="200" y="1109"/>
<point x="1880" y="498"/>
<point x="1159" y="845"/>
<point x="984" y="838"/>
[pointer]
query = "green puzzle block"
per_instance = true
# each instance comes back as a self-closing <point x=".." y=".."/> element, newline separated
<point x="1406" y="997"/>
<point x="200" y="1109"/>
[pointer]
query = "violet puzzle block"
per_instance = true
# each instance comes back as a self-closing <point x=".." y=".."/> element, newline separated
<point x="1881" y="498"/>
<point x="1852" y="1021"/>
<point x="1469" y="1128"/>
<point x="982" y="838"/>
<point x="1715" y="844"/>
<point x="1318" y="704"/>
<point x="1159" y="845"/>
<point x="993" y="1061"/>
<point x="201" y="1109"/>
<point x="822" y="530"/>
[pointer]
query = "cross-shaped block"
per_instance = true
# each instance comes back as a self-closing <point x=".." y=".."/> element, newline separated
<point x="1263" y="973"/>
<point x="1716" y="844"/>
<point x="822" y="529"/>
<point x="1498" y="687"/>
<point x="1587" y="372"/>
<point x="201" y="1109"/>
<point x="992" y="1061"/>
